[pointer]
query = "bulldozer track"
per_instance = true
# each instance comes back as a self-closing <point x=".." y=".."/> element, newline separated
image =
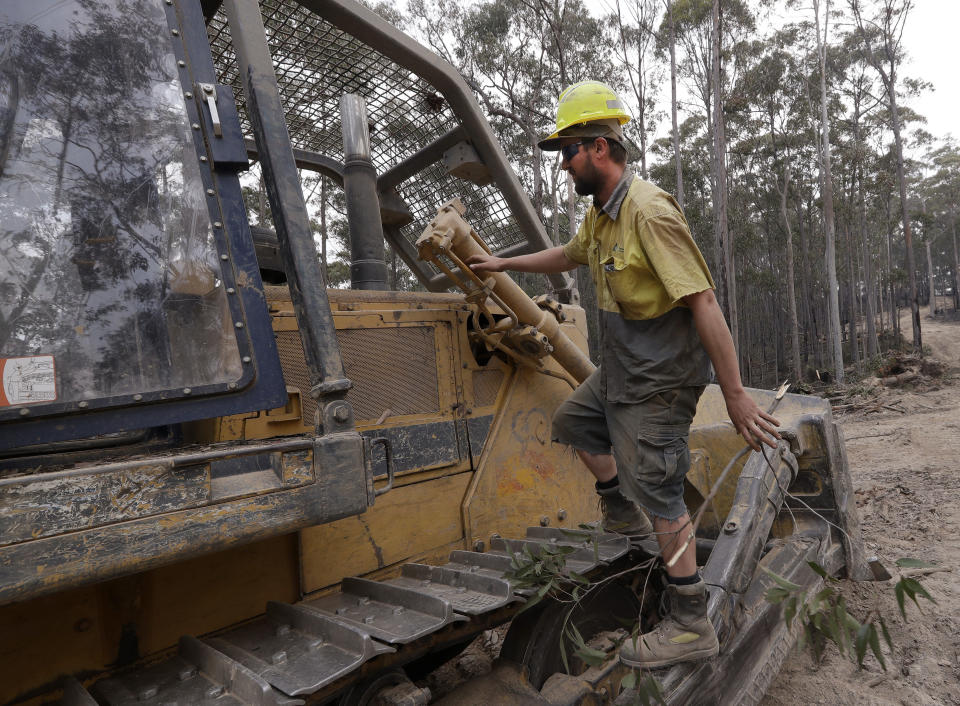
<point x="314" y="649"/>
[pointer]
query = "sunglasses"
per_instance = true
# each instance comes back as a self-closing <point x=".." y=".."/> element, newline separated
<point x="570" y="151"/>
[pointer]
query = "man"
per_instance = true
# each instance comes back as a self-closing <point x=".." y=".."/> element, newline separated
<point x="661" y="327"/>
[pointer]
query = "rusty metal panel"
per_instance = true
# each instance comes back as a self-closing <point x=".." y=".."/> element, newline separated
<point x="296" y="468"/>
<point x="407" y="522"/>
<point x="418" y="446"/>
<point x="478" y="429"/>
<point x="39" y="506"/>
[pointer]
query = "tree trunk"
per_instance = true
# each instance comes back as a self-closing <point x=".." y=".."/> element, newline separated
<point x="537" y="158"/>
<point x="956" y="263"/>
<point x="890" y="50"/>
<point x="791" y="288"/>
<point x="907" y="232"/>
<point x="673" y="104"/>
<point x="262" y="202"/>
<point x="62" y="158"/>
<point x="555" y="206"/>
<point x="394" y="269"/>
<point x="808" y="328"/>
<point x="873" y="345"/>
<point x="892" y="296"/>
<point x="933" y="292"/>
<point x="725" y="257"/>
<point x="830" y="256"/>
<point x="852" y="295"/>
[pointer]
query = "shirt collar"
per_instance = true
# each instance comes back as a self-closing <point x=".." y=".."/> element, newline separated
<point x="612" y="206"/>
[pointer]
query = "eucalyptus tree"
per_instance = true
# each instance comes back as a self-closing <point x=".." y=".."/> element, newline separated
<point x="767" y="93"/>
<point x="829" y="226"/>
<point x="693" y="24"/>
<point x="941" y="191"/>
<point x="631" y="25"/>
<point x="667" y="38"/>
<point x="859" y="91"/>
<point x="726" y="263"/>
<point x="881" y="36"/>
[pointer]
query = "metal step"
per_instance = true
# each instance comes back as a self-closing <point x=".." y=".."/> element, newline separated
<point x="467" y="592"/>
<point x="295" y="650"/>
<point x="394" y="614"/>
<point x="609" y="546"/>
<point x="75" y="695"/>
<point x="298" y="650"/>
<point x="490" y="564"/>
<point x="581" y="560"/>
<point x="199" y="674"/>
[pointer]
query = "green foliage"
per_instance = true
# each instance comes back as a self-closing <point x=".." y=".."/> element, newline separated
<point x="544" y="570"/>
<point x="824" y="616"/>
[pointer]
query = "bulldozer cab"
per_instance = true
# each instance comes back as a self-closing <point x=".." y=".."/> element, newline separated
<point x="215" y="486"/>
<point x="131" y="290"/>
<point x="134" y="311"/>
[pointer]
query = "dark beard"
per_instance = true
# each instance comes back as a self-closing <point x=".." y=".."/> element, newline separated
<point x="586" y="184"/>
<point x="586" y="180"/>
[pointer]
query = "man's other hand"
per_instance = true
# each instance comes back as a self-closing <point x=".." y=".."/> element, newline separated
<point x="751" y="422"/>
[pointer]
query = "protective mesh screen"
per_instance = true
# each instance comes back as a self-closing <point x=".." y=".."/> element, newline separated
<point x="295" y="372"/>
<point x="391" y="369"/>
<point x="316" y="63"/>
<point x="486" y="385"/>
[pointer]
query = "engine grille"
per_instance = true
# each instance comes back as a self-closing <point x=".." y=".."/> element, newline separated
<point x="391" y="369"/>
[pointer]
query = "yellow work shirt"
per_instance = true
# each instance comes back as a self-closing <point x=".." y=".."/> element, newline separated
<point x="642" y="256"/>
<point x="643" y="261"/>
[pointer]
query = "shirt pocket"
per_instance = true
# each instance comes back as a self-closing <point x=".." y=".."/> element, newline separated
<point x="621" y="279"/>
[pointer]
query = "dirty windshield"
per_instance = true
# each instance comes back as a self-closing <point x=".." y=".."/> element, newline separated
<point x="109" y="277"/>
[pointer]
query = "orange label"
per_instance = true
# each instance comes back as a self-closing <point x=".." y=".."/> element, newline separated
<point x="27" y="380"/>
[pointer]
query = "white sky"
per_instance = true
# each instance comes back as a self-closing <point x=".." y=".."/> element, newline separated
<point x="932" y="42"/>
<point x="933" y="45"/>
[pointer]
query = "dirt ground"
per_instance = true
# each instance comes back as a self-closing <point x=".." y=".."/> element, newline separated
<point x="903" y="448"/>
<point x="906" y="472"/>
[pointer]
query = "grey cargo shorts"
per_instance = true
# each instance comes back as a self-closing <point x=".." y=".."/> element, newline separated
<point x="649" y="440"/>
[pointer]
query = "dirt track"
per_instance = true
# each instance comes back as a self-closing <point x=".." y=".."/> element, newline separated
<point x="906" y="474"/>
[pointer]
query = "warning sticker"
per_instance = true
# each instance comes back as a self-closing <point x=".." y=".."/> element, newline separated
<point x="27" y="380"/>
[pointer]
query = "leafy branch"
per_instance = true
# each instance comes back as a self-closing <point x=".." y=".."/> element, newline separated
<point x="544" y="570"/>
<point x="824" y="615"/>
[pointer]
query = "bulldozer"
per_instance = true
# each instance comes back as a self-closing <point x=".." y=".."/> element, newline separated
<point x="222" y="482"/>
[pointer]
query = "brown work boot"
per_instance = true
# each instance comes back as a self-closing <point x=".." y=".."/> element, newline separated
<point x="622" y="515"/>
<point x="685" y="635"/>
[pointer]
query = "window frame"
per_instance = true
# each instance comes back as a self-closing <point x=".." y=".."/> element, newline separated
<point x="261" y="385"/>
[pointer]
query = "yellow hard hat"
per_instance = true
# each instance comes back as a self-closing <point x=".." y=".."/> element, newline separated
<point x="583" y="103"/>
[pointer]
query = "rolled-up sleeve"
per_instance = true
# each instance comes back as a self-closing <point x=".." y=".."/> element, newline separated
<point x="577" y="249"/>
<point x="674" y="255"/>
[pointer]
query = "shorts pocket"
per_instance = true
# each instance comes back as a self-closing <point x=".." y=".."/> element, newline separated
<point x="664" y="457"/>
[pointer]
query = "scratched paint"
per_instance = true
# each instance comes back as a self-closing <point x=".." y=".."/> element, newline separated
<point x="37" y="507"/>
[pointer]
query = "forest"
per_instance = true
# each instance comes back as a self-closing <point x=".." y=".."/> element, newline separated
<point x="820" y="201"/>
